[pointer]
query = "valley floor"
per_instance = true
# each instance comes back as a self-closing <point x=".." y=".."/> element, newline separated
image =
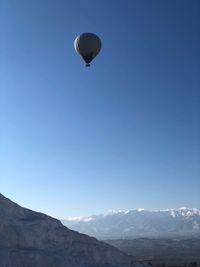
<point x="162" y="252"/>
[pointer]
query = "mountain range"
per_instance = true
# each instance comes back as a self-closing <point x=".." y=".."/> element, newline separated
<point x="33" y="239"/>
<point x="180" y="222"/>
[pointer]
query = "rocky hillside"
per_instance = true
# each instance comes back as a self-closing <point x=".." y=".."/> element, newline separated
<point x="32" y="239"/>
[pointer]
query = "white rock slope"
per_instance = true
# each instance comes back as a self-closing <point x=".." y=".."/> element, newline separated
<point x="32" y="239"/>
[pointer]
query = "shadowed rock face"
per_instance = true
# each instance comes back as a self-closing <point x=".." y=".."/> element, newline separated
<point x="32" y="239"/>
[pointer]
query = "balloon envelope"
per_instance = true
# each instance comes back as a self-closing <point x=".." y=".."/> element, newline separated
<point x="87" y="45"/>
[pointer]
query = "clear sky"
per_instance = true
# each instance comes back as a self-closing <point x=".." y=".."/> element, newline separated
<point x="122" y="134"/>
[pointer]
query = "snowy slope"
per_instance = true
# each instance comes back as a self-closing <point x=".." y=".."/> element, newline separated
<point x="33" y="239"/>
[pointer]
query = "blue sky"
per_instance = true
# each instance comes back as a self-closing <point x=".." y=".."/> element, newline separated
<point x="122" y="134"/>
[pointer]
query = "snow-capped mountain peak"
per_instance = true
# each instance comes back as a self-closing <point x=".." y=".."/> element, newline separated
<point x="79" y="219"/>
<point x="112" y="212"/>
<point x="138" y="223"/>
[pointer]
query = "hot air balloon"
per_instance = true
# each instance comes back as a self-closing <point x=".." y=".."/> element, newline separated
<point x="87" y="45"/>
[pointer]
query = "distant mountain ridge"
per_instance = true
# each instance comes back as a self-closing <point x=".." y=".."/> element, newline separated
<point x="139" y="223"/>
<point x="33" y="239"/>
